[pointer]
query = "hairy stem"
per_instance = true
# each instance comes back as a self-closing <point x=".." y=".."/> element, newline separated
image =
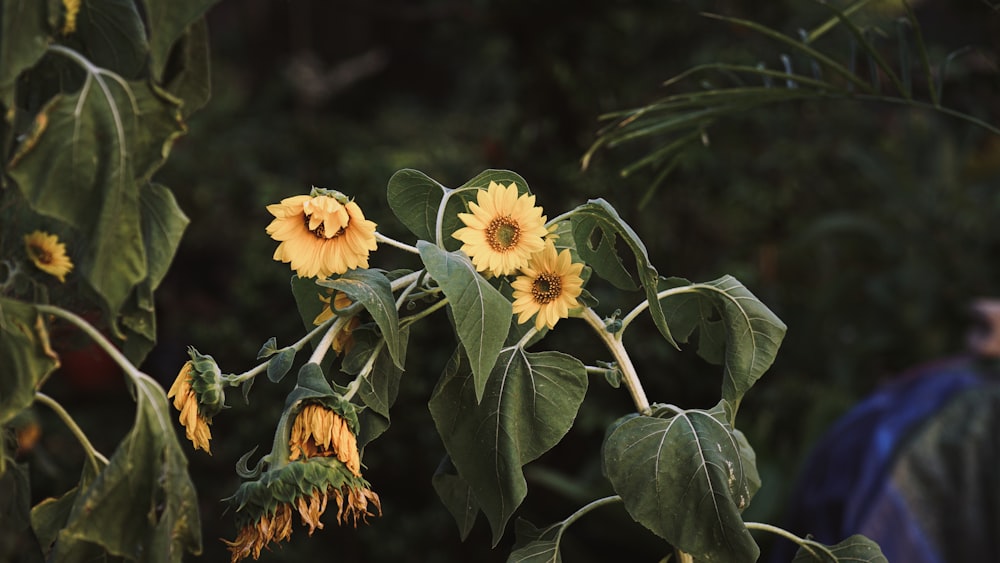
<point x="808" y="545"/>
<point x="614" y="344"/>
<point x="97" y="460"/>
<point x="393" y="242"/>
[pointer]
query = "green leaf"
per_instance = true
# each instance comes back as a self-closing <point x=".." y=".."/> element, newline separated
<point x="163" y="225"/>
<point x="372" y="289"/>
<point x="482" y="314"/>
<point x="735" y="329"/>
<point x="49" y="516"/>
<point x="269" y="348"/>
<point x="142" y="505"/>
<point x="110" y="33"/>
<point x="187" y="77"/>
<point x="597" y="218"/>
<point x="536" y="545"/>
<point x="379" y="388"/>
<point x="24" y="35"/>
<point x="456" y="495"/>
<point x="15" y="495"/>
<point x="415" y="197"/>
<point x="855" y="549"/>
<point x="529" y="404"/>
<point x="307" y="294"/>
<point x="97" y="147"/>
<point x="25" y="355"/>
<point x="168" y="20"/>
<point x="280" y="364"/>
<point x="686" y="478"/>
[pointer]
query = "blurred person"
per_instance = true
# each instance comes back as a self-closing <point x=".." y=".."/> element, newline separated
<point x="914" y="465"/>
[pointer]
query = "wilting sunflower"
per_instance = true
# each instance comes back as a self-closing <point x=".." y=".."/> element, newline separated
<point x="344" y="340"/>
<point x="320" y="432"/>
<point x="48" y="254"/>
<point x="547" y="287"/>
<point x="198" y="395"/>
<point x="321" y="234"/>
<point x="503" y="230"/>
<point x="264" y="507"/>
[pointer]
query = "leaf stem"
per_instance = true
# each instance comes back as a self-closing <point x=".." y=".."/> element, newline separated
<point x="805" y="544"/>
<point x="95" y="457"/>
<point x="95" y="335"/>
<point x="257" y="370"/>
<point x="627" y="319"/>
<point x="393" y="242"/>
<point x="324" y="344"/>
<point x="617" y="349"/>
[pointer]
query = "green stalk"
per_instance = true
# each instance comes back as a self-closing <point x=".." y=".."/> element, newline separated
<point x="614" y="344"/>
<point x="97" y="460"/>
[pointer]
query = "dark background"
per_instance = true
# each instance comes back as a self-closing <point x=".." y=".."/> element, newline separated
<point x="867" y="228"/>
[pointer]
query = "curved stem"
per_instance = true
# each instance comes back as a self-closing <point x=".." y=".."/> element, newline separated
<point x="258" y="369"/>
<point x="805" y="544"/>
<point x="393" y="242"/>
<point x="558" y="218"/>
<point x="587" y="508"/>
<point x="614" y="344"/>
<point x="95" y="457"/>
<point x="627" y="319"/>
<point x="407" y="321"/>
<point x="324" y="344"/>
<point x="95" y="335"/>
<point x="527" y="336"/>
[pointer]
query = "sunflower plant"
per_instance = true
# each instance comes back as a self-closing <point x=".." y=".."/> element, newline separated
<point x="489" y="262"/>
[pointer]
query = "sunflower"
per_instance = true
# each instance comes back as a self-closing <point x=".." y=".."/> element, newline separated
<point x="547" y="287"/>
<point x="265" y="507"/>
<point x="321" y="234"/>
<point x="503" y="230"/>
<point x="321" y="432"/>
<point x="198" y="394"/>
<point x="48" y="254"/>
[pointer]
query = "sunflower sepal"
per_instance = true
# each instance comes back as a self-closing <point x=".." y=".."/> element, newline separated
<point x="341" y="198"/>
<point x="207" y="382"/>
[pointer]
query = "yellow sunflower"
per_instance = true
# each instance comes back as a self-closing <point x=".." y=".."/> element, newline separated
<point x="547" y="287"/>
<point x="321" y="234"/>
<point x="503" y="230"/>
<point x="320" y="432"/>
<point x="48" y="254"/>
<point x="186" y="400"/>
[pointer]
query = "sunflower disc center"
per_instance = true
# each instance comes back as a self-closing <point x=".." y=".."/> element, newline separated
<point x="546" y="288"/>
<point x="320" y="230"/>
<point x="503" y="233"/>
<point x="43" y="256"/>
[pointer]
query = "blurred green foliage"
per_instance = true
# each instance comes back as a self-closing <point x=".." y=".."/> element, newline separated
<point x="866" y="228"/>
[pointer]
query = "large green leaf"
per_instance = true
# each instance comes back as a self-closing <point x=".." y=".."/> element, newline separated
<point x="415" y="197"/>
<point x="372" y="289"/>
<point x="482" y="314"/>
<point x="142" y="505"/>
<point x="24" y="36"/>
<point x="110" y="33"/>
<point x="529" y="404"/>
<point x="163" y="225"/>
<point x="596" y="229"/>
<point x="855" y="549"/>
<point x="24" y="354"/>
<point x="97" y="147"/>
<point x="168" y="20"/>
<point x="457" y="496"/>
<point x="686" y="476"/>
<point x="735" y="329"/>
<point x="15" y="494"/>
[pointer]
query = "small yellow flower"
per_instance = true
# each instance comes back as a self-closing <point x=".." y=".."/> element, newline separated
<point x="321" y="234"/>
<point x="186" y="401"/>
<point x="72" y="10"/>
<point x="547" y="288"/>
<point x="48" y="254"/>
<point x="502" y="231"/>
<point x="343" y="341"/>
<point x="320" y="432"/>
